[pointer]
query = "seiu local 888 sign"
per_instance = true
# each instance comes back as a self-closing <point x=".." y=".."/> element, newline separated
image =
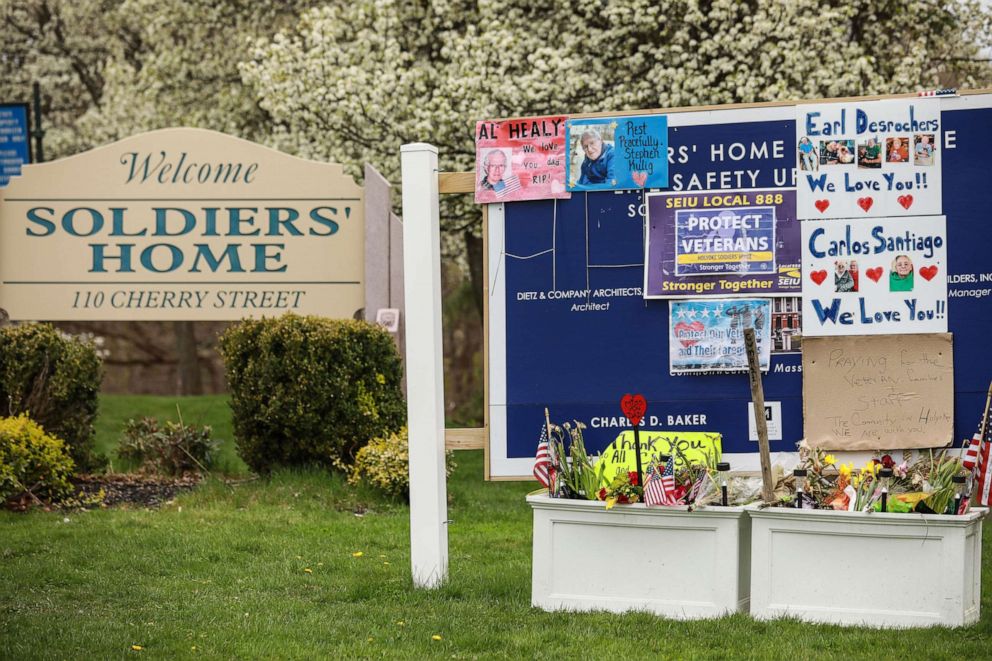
<point x="181" y="224"/>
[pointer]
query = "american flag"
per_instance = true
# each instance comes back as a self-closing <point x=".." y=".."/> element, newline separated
<point x="977" y="462"/>
<point x="659" y="489"/>
<point x="970" y="459"/>
<point x="512" y="185"/>
<point x="981" y="468"/>
<point x="699" y="488"/>
<point x="542" y="463"/>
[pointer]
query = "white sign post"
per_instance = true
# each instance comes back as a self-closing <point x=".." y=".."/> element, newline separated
<point x="424" y="366"/>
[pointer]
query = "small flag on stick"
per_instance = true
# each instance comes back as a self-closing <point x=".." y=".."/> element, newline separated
<point x="660" y="486"/>
<point x="542" y="462"/>
<point x="977" y="460"/>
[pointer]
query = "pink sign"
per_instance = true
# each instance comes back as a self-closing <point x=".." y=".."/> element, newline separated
<point x="520" y="159"/>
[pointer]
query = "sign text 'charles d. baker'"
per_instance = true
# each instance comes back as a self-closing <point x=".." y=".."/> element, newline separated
<point x="253" y="232"/>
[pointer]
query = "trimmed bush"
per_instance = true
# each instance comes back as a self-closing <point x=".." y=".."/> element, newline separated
<point x="32" y="461"/>
<point x="385" y="464"/>
<point x="173" y="449"/>
<point x="308" y="390"/>
<point x="54" y="378"/>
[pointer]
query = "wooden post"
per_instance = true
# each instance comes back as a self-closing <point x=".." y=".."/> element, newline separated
<point x="758" y="397"/>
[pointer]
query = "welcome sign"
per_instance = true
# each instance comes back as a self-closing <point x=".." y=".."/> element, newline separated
<point x="181" y="224"/>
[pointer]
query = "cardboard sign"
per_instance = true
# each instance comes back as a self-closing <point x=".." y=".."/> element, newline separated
<point x="708" y="336"/>
<point x="696" y="447"/>
<point x="878" y="393"/>
<point x="868" y="159"/>
<point x="617" y="153"/>
<point x="869" y="277"/>
<point x="520" y="159"/>
<point x="722" y="243"/>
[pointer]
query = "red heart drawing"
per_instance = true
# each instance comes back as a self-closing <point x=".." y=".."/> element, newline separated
<point x="681" y="327"/>
<point x="640" y="178"/>
<point x="906" y="201"/>
<point x="822" y="205"/>
<point x="818" y="277"/>
<point x="875" y="273"/>
<point x="928" y="271"/>
<point x="865" y="203"/>
<point x="633" y="407"/>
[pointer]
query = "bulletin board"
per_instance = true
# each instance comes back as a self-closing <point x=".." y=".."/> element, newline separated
<point x="569" y="327"/>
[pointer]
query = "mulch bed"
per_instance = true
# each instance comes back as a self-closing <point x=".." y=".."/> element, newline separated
<point x="134" y="490"/>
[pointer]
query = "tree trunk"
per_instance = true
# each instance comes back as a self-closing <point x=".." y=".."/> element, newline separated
<point x="189" y="382"/>
<point x="473" y="249"/>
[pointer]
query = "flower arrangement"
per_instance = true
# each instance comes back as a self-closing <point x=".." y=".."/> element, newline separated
<point x="928" y="485"/>
<point x="624" y="489"/>
<point x="576" y="476"/>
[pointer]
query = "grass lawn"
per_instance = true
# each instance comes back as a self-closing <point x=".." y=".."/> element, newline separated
<point x="222" y="573"/>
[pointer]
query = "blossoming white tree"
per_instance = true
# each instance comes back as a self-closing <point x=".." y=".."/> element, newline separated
<point x="352" y="83"/>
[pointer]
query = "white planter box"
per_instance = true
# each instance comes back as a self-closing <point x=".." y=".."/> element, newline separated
<point x="665" y="560"/>
<point x="883" y="570"/>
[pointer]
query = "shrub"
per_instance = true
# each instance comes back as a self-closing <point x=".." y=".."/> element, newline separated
<point x="385" y="464"/>
<point x="310" y="390"/>
<point x="173" y="449"/>
<point x="54" y="378"/>
<point x="32" y="461"/>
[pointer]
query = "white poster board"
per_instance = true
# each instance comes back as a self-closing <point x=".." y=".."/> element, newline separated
<point x="868" y="159"/>
<point x="871" y="277"/>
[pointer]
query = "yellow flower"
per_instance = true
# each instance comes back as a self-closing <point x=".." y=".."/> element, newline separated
<point x="871" y="468"/>
<point x="357" y="554"/>
<point x="829" y="460"/>
<point x="845" y="470"/>
<point x="137" y="648"/>
<point x="308" y="570"/>
<point x="435" y="637"/>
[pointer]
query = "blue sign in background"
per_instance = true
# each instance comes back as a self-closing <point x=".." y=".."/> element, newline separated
<point x="15" y="140"/>
<point x="579" y="363"/>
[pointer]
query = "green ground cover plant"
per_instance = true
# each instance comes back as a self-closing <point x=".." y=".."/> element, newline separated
<point x="301" y="565"/>
<point x="206" y="410"/>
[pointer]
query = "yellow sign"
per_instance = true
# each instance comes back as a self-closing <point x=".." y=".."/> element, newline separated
<point x="181" y="224"/>
<point x="694" y="446"/>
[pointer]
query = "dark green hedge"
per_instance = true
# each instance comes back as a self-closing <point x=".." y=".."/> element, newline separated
<point x="54" y="378"/>
<point x="308" y="390"/>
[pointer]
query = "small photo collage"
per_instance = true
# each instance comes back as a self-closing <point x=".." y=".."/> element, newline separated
<point x="869" y="153"/>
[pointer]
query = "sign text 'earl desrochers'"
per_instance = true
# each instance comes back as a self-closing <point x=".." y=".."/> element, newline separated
<point x="181" y="224"/>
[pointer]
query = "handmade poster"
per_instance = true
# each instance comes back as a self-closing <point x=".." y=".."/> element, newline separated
<point x="869" y="159"/>
<point x="520" y="159"/>
<point x="695" y="447"/>
<point x="708" y="336"/>
<point x="618" y="153"/>
<point x="878" y="393"/>
<point x="726" y="243"/>
<point x="878" y="276"/>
